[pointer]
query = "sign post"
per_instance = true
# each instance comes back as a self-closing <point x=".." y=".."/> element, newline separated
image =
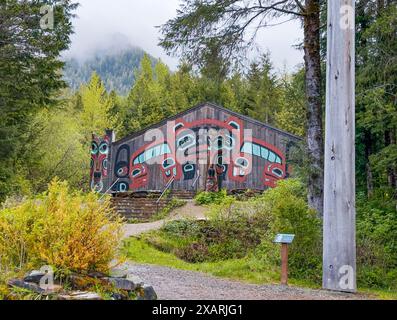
<point x="285" y="240"/>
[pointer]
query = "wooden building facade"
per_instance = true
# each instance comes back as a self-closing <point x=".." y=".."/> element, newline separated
<point x="183" y="151"/>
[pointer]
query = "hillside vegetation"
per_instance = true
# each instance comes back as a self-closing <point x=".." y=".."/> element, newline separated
<point x="117" y="69"/>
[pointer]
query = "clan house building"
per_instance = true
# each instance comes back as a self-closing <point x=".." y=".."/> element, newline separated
<point x="206" y="147"/>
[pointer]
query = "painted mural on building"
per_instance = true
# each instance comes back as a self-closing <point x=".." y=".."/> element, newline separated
<point x="197" y="147"/>
<point x="222" y="147"/>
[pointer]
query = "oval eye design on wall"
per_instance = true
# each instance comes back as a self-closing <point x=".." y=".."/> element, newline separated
<point x="188" y="168"/>
<point x="136" y="172"/>
<point x="186" y="141"/>
<point x="278" y="172"/>
<point x="122" y="172"/>
<point x="105" y="164"/>
<point x="242" y="162"/>
<point x="94" y="148"/>
<point x="169" y="162"/>
<point x="123" y="187"/>
<point x="103" y="148"/>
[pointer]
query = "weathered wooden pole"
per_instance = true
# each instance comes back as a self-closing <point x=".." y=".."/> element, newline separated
<point x="284" y="264"/>
<point x="339" y="247"/>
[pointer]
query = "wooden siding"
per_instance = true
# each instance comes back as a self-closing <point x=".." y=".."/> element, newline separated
<point x="128" y="146"/>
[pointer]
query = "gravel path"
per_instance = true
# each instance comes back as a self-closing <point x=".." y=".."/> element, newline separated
<point x="174" y="284"/>
<point x="189" y="210"/>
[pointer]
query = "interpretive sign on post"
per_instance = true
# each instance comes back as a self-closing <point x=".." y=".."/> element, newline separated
<point x="285" y="240"/>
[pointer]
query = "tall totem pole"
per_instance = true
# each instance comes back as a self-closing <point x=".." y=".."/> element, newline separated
<point x="339" y="248"/>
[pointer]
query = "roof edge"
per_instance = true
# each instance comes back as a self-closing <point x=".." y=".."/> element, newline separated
<point x="198" y="106"/>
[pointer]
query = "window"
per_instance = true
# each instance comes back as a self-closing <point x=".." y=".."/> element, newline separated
<point x="272" y="157"/>
<point x="165" y="149"/>
<point x="256" y="150"/>
<point x="152" y="153"/>
<point x="264" y="153"/>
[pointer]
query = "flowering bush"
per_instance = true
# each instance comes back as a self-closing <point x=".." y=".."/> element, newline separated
<point x="70" y="231"/>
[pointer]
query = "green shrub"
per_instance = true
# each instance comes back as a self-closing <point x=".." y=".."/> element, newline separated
<point x="290" y="213"/>
<point x="377" y="240"/>
<point x="68" y="230"/>
<point x="238" y="229"/>
<point x="206" y="198"/>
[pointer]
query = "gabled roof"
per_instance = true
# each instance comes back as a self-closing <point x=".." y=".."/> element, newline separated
<point x="201" y="105"/>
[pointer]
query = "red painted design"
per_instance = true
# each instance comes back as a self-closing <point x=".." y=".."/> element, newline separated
<point x="240" y="163"/>
<point x="99" y="161"/>
<point x="139" y="176"/>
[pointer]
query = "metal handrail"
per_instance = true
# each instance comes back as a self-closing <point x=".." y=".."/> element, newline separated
<point x="196" y="179"/>
<point x="109" y="189"/>
<point x="167" y="186"/>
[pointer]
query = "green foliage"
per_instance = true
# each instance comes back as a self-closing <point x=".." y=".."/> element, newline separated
<point x="246" y="229"/>
<point x="29" y="76"/>
<point x="290" y="214"/>
<point x="117" y="70"/>
<point x="377" y="240"/>
<point x="67" y="230"/>
<point x="205" y="197"/>
<point x="56" y="148"/>
<point x="263" y="98"/>
<point x="96" y="107"/>
<point x="376" y="106"/>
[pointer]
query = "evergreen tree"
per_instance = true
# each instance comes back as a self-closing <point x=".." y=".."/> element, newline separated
<point x="263" y="96"/>
<point x="97" y="106"/>
<point x="29" y="75"/>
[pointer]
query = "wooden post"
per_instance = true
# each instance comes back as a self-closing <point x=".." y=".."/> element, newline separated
<point x="339" y="247"/>
<point x="284" y="263"/>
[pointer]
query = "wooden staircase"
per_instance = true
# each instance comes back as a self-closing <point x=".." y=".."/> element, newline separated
<point x="143" y="205"/>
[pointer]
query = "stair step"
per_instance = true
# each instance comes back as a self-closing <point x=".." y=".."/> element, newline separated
<point x="143" y="205"/>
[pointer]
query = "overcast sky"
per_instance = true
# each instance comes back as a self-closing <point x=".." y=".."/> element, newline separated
<point x="104" y="23"/>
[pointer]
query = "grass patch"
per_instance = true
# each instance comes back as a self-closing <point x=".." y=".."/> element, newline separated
<point x="247" y="269"/>
<point x="165" y="212"/>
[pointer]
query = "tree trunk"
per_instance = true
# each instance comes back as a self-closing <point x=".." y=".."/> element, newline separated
<point x="314" y="105"/>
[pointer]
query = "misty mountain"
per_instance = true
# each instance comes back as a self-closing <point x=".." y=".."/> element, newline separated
<point x="115" y="67"/>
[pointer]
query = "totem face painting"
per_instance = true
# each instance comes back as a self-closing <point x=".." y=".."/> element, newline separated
<point x="205" y="141"/>
<point x="99" y="161"/>
<point x="206" y="147"/>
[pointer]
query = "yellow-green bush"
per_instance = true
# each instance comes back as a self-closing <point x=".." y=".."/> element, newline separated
<point x="70" y="231"/>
